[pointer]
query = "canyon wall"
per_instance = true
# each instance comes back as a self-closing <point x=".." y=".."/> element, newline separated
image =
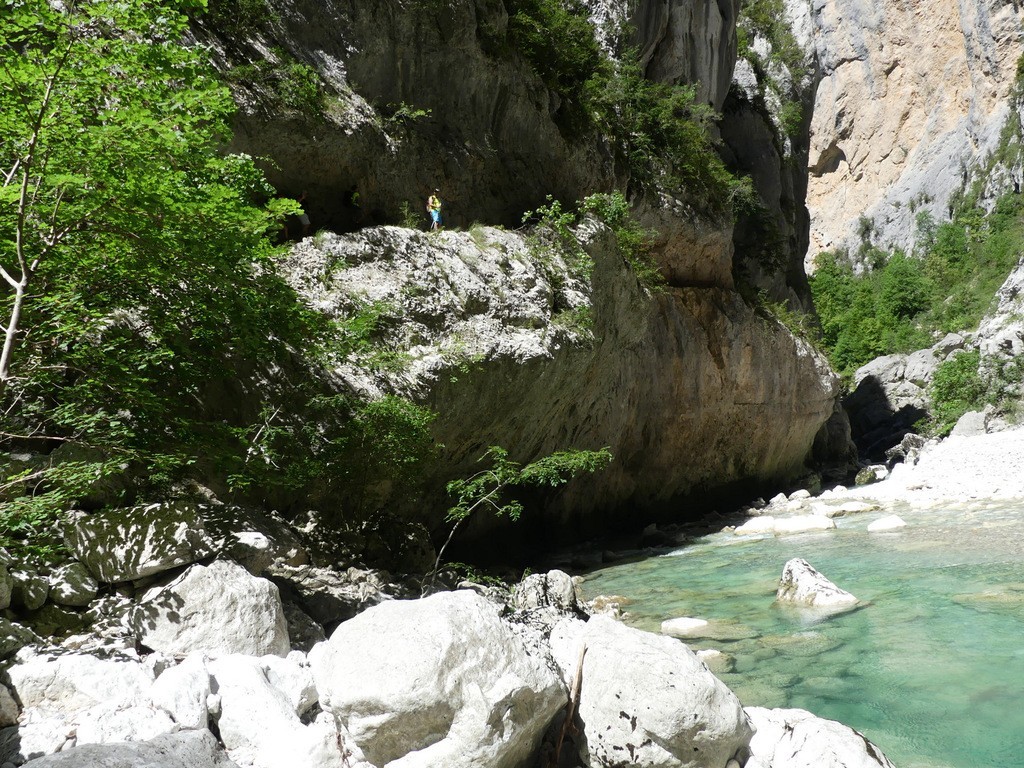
<point x="912" y="96"/>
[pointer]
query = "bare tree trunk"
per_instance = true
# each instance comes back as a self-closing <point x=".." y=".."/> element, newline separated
<point x="9" y="336"/>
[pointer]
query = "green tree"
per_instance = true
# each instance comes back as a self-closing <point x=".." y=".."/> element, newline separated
<point x="494" y="488"/>
<point x="134" y="252"/>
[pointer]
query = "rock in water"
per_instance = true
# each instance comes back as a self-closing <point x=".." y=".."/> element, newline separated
<point x="441" y="681"/>
<point x="890" y="523"/>
<point x="218" y="608"/>
<point x="647" y="699"/>
<point x="794" y="738"/>
<point x="802" y="585"/>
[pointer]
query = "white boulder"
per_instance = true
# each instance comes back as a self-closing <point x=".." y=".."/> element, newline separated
<point x="258" y="724"/>
<point x="756" y="526"/>
<point x="850" y="508"/>
<point x="69" y="683"/>
<point x="182" y="691"/>
<point x="110" y="723"/>
<point x="220" y="608"/>
<point x="647" y="699"/>
<point x="794" y="738"/>
<point x="890" y="523"/>
<point x="802" y="585"/>
<point x="437" y="681"/>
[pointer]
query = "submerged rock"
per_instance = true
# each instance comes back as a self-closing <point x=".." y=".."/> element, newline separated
<point x="890" y="523"/>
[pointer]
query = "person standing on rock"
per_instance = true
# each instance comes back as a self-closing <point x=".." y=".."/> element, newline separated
<point x="434" y="209"/>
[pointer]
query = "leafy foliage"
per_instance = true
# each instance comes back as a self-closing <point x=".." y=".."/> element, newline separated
<point x="902" y="301"/>
<point x="633" y="241"/>
<point x="140" y="265"/>
<point x="956" y="388"/>
<point x="495" y="487"/>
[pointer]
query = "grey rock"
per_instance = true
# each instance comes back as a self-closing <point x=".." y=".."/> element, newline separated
<point x="127" y="544"/>
<point x="328" y="596"/>
<point x="970" y="424"/>
<point x="14" y="637"/>
<point x="8" y="708"/>
<point x="73" y="585"/>
<point x="303" y="631"/>
<point x="216" y="608"/>
<point x="30" y="589"/>
<point x="187" y="749"/>
<point x="554" y="589"/>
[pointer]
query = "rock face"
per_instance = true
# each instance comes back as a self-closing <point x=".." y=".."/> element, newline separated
<point x="487" y="341"/>
<point x="216" y="608"/>
<point x="794" y="738"/>
<point x="802" y="586"/>
<point x="437" y="681"/>
<point x="910" y="93"/>
<point x="647" y="700"/>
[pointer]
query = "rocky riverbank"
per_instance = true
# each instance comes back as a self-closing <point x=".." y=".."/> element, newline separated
<point x="202" y="655"/>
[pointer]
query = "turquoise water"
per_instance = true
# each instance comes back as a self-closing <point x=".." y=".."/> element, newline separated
<point x="931" y="670"/>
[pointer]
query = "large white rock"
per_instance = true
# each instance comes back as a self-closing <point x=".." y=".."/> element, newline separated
<point x="258" y="723"/>
<point x="182" y="691"/>
<point x="437" y="681"/>
<point x="110" y="723"/>
<point x="647" y="699"/>
<point x="802" y="585"/>
<point x="756" y="526"/>
<point x="188" y="749"/>
<point x="69" y="683"/>
<point x="218" y="608"/>
<point x="794" y="738"/>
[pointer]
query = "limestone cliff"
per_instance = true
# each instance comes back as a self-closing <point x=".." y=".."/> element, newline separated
<point x="691" y="389"/>
<point x="694" y="389"/>
<point x="911" y="95"/>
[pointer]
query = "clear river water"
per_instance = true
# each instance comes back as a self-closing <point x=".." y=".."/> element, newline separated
<point x="931" y="669"/>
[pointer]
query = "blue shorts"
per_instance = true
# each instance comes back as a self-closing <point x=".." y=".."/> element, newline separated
<point x="435" y="215"/>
